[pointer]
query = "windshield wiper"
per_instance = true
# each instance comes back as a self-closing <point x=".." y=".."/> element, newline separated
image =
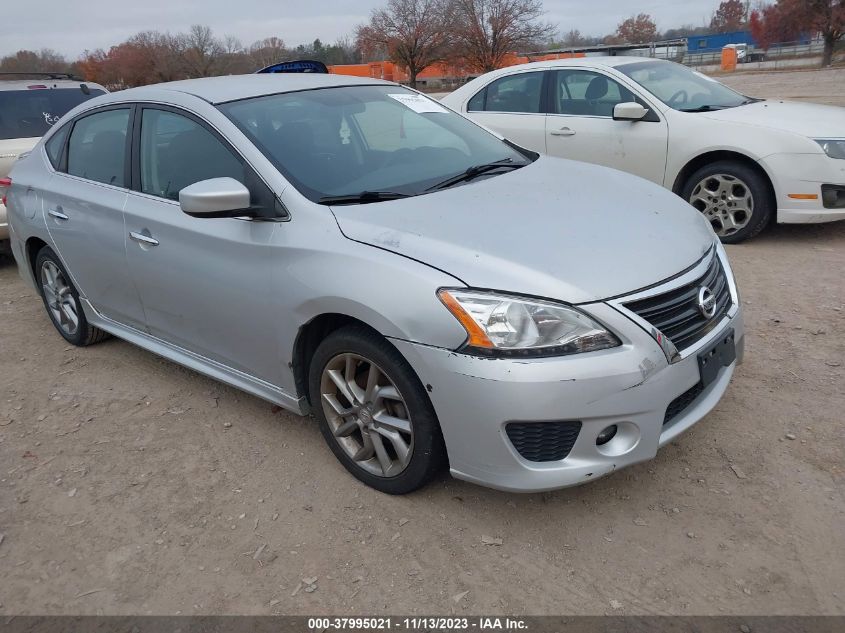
<point x="363" y="197"/>
<point x="705" y="108"/>
<point x="475" y="171"/>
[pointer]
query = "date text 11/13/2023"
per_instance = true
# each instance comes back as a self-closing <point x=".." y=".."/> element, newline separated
<point x="426" y="623"/>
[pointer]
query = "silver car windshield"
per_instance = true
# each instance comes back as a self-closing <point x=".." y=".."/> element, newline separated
<point x="681" y="88"/>
<point x="358" y="144"/>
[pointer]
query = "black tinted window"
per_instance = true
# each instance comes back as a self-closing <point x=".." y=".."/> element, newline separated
<point x="97" y="147"/>
<point x="30" y="113"/>
<point x="55" y="144"/>
<point x="515" y="93"/>
<point x="176" y="151"/>
<point x="589" y="94"/>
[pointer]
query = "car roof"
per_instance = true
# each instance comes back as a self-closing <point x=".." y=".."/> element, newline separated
<point x="598" y="60"/>
<point x="233" y="87"/>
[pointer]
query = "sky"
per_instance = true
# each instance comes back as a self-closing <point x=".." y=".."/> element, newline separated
<point x="72" y="26"/>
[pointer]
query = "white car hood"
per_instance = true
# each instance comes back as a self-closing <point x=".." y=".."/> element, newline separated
<point x="556" y="228"/>
<point x="807" y="119"/>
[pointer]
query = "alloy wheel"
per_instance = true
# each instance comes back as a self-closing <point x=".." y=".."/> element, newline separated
<point x="59" y="298"/>
<point x="367" y="415"/>
<point x="726" y="202"/>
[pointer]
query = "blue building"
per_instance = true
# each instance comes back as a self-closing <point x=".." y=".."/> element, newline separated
<point x="715" y="42"/>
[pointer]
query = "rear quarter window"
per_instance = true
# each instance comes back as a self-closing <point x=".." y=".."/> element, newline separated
<point x="55" y="145"/>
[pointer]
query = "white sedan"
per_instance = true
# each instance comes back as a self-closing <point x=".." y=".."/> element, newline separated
<point x="740" y="161"/>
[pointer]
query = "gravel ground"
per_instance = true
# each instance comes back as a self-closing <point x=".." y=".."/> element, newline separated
<point x="818" y="86"/>
<point x="131" y="485"/>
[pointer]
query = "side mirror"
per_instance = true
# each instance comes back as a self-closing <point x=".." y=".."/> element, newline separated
<point x="216" y="198"/>
<point x="630" y="111"/>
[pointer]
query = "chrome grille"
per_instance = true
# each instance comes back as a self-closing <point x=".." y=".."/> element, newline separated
<point x="676" y="313"/>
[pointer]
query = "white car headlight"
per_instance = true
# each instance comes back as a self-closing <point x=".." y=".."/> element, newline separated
<point x="502" y="325"/>
<point x="833" y="147"/>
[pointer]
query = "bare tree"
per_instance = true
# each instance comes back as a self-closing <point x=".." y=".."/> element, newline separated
<point x="484" y="32"/>
<point x="267" y="51"/>
<point x="413" y="32"/>
<point x="203" y="51"/>
<point x="573" y="39"/>
<point x="45" y="60"/>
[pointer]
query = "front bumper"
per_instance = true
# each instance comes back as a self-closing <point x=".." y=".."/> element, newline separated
<point x="804" y="174"/>
<point x="630" y="386"/>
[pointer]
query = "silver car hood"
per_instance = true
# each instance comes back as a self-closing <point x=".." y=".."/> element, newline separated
<point x="556" y="228"/>
<point x="807" y="119"/>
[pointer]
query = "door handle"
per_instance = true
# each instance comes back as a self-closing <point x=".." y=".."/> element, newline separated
<point x="564" y="131"/>
<point x="57" y="213"/>
<point x="144" y="239"/>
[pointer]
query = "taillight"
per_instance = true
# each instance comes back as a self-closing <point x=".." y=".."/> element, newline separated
<point x="5" y="183"/>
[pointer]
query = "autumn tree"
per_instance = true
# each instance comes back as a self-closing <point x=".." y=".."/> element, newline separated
<point x="484" y="32"/>
<point x="145" y="58"/>
<point x="638" y="29"/>
<point x="413" y="32"/>
<point x="771" y="24"/>
<point x="730" y="16"/>
<point x="826" y="17"/>
<point x="786" y="20"/>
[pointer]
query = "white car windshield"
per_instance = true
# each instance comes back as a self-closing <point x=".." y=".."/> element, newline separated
<point x="681" y="88"/>
<point x="357" y="144"/>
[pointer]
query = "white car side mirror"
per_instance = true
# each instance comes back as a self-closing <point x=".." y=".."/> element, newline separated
<point x="630" y="111"/>
<point x="215" y="198"/>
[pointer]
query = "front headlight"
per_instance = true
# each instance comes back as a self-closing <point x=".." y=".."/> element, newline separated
<point x="501" y="325"/>
<point x="835" y="148"/>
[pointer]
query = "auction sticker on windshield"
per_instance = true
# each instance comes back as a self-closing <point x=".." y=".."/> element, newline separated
<point x="418" y="103"/>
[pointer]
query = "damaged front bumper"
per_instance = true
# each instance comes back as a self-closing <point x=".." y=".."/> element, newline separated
<point x="630" y="386"/>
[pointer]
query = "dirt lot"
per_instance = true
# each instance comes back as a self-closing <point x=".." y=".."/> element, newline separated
<point x="818" y="86"/>
<point x="124" y="490"/>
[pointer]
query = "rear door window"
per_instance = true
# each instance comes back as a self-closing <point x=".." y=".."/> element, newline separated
<point x="515" y="93"/>
<point x="97" y="147"/>
<point x="30" y="113"/>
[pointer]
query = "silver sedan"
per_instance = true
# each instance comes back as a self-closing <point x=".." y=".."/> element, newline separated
<point x="432" y="293"/>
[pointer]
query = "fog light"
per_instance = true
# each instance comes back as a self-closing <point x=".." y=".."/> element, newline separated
<point x="606" y="435"/>
<point x="833" y="197"/>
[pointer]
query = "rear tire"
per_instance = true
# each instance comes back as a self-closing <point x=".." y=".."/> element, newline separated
<point x="61" y="300"/>
<point x="373" y="411"/>
<point x="735" y="198"/>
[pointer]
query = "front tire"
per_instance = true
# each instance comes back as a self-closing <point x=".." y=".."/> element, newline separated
<point x="373" y="411"/>
<point x="61" y="300"/>
<point x="735" y="199"/>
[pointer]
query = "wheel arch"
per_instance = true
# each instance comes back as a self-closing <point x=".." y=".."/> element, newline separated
<point x="706" y="158"/>
<point x="32" y="247"/>
<point x="309" y="337"/>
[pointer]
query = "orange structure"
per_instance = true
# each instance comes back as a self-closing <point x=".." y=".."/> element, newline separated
<point x="729" y="58"/>
<point x="391" y="71"/>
